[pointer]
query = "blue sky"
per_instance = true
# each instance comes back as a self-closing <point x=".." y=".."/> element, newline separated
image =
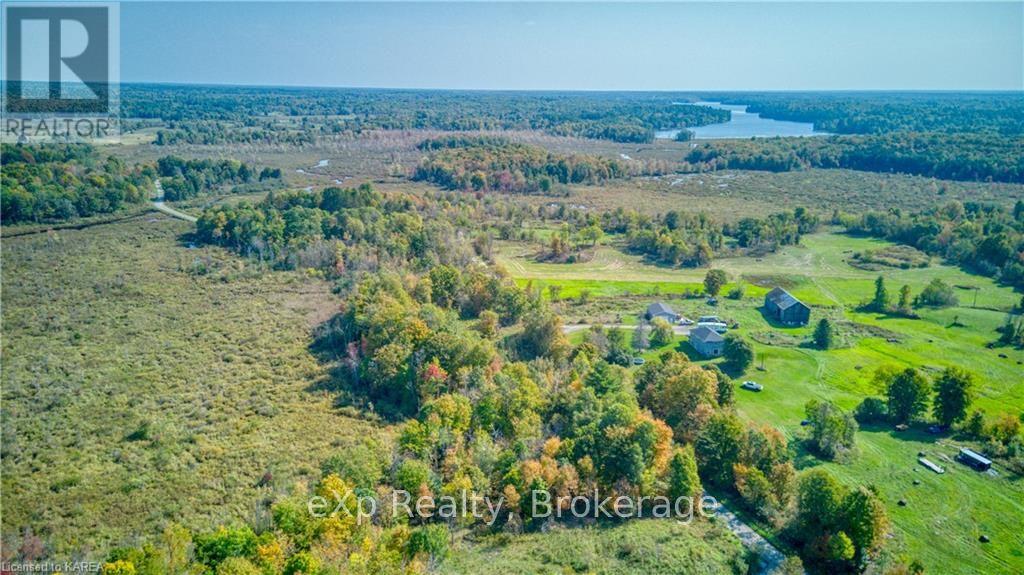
<point x="580" y="45"/>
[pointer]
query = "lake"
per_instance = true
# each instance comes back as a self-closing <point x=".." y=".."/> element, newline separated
<point x="743" y="124"/>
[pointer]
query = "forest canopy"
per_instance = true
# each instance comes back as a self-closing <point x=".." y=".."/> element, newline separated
<point x="488" y="163"/>
<point x="973" y="157"/>
<point x="56" y="182"/>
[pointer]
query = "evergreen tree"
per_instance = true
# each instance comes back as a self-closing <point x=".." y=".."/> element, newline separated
<point x="823" y="334"/>
<point x="905" y="301"/>
<point x="880" y="302"/>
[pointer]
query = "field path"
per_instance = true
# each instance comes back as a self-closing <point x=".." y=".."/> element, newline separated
<point x="770" y="557"/>
<point x="158" y="203"/>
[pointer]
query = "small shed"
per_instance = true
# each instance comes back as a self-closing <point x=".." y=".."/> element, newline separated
<point x="662" y="310"/>
<point x="931" y="465"/>
<point x="707" y="341"/>
<point x="974" y="459"/>
<point x="784" y="308"/>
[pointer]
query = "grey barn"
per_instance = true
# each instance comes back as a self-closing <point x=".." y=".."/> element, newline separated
<point x="663" y="311"/>
<point x="784" y="308"/>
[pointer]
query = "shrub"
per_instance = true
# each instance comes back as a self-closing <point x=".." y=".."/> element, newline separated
<point x="737" y="292"/>
<point x="871" y="410"/>
<point x="937" y="294"/>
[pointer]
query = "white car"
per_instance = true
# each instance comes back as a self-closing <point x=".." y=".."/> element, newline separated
<point x="752" y="386"/>
<point x="714" y="325"/>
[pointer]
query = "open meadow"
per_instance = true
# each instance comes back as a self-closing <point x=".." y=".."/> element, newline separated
<point x="145" y="381"/>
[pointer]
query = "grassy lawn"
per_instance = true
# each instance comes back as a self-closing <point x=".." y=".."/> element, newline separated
<point x="640" y="546"/>
<point x="145" y="382"/>
<point x="945" y="514"/>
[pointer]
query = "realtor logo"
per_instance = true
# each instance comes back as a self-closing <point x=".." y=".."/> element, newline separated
<point x="60" y="67"/>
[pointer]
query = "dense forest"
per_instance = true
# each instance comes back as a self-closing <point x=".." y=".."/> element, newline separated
<point x="974" y="157"/>
<point x="496" y="164"/>
<point x="183" y="179"/>
<point x="194" y="112"/>
<point x="984" y="238"/>
<point x="59" y="182"/>
<point x="887" y="112"/>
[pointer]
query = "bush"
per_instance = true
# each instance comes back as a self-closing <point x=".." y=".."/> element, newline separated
<point x="431" y="540"/>
<point x="359" y="465"/>
<point x="871" y="410"/>
<point x="737" y="292"/>
<point x="937" y="294"/>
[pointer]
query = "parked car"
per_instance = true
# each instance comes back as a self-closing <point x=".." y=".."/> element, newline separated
<point x="638" y="361"/>
<point x="714" y="325"/>
<point x="752" y="386"/>
<point x="685" y="321"/>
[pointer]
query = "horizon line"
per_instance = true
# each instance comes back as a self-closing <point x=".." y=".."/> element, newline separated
<point x="563" y="90"/>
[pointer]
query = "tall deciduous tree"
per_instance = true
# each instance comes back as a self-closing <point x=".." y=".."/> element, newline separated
<point x="908" y="395"/>
<point x="738" y="353"/>
<point x="661" y="332"/>
<point x="713" y="281"/>
<point x="683" y="480"/>
<point x="953" y="394"/>
<point x="718" y="448"/>
<point x="864" y="520"/>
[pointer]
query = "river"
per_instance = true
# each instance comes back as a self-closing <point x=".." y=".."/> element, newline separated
<point x="743" y="124"/>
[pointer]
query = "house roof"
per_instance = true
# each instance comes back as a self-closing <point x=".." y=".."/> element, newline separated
<point x="659" y="308"/>
<point x="782" y="298"/>
<point x="706" y="334"/>
<point x="971" y="454"/>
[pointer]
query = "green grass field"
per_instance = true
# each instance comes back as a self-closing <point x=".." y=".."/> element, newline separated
<point x="641" y="546"/>
<point x="945" y="514"/>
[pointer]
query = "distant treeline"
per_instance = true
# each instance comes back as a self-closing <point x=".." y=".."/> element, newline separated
<point x="183" y="179"/>
<point x="210" y="133"/>
<point x="984" y="238"/>
<point x="485" y="163"/>
<point x="197" y="112"/>
<point x="972" y="157"/>
<point x="886" y="112"/>
<point x="53" y="182"/>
